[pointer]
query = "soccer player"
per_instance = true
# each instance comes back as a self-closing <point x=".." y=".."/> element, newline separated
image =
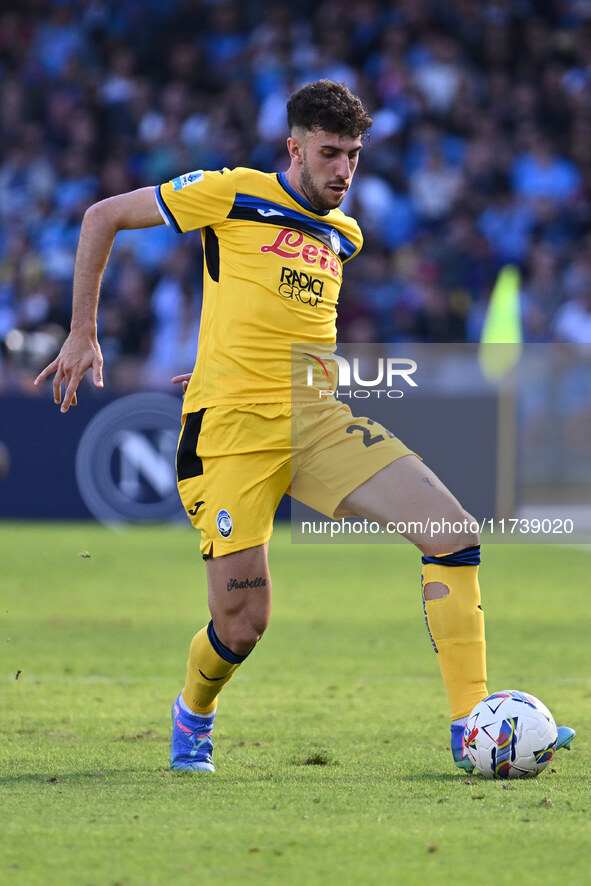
<point x="275" y="246"/>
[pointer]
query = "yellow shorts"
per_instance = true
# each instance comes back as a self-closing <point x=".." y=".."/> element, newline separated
<point x="235" y="463"/>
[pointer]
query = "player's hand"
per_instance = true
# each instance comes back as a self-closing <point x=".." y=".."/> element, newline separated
<point x="182" y="380"/>
<point x="79" y="352"/>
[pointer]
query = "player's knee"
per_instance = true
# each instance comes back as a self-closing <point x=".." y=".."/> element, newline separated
<point x="257" y="625"/>
<point x="466" y="533"/>
<point x="458" y="532"/>
<point x="244" y="632"/>
<point x="469" y="535"/>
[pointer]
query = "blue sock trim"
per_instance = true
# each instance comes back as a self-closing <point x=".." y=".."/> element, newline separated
<point x="433" y="643"/>
<point x="466" y="557"/>
<point x="222" y="650"/>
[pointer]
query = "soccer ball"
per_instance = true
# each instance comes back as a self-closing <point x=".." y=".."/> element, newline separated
<point x="510" y="734"/>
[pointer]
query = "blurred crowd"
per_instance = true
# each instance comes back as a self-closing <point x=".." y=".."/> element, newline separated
<point x="479" y="156"/>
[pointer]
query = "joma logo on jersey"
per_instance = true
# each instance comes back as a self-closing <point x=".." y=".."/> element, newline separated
<point x="301" y="286"/>
<point x="290" y="244"/>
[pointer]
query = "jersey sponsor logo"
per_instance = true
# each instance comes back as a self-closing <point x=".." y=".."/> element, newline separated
<point x="224" y="523"/>
<point x="301" y="286"/>
<point x="290" y="244"/>
<point x="182" y="181"/>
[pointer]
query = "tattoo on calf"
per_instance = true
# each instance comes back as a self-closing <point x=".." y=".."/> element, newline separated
<point x="426" y="480"/>
<point x="258" y="582"/>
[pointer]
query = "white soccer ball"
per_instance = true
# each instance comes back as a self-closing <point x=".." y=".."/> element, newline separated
<point x="510" y="734"/>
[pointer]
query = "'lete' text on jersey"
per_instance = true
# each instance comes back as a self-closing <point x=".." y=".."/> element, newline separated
<point x="273" y="270"/>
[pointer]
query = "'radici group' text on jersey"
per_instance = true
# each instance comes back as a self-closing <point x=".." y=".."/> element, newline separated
<point x="273" y="270"/>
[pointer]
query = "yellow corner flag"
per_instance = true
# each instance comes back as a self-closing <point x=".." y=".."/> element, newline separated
<point x="502" y="335"/>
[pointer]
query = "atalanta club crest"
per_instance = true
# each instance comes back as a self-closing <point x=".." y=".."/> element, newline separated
<point x="335" y="241"/>
<point x="225" y="525"/>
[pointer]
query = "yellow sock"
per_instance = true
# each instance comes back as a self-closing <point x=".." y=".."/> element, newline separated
<point x="210" y="666"/>
<point x="456" y="627"/>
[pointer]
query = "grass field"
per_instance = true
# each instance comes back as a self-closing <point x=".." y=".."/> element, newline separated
<point x="331" y="742"/>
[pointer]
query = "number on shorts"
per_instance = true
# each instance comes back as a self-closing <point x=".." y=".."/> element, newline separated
<point x="368" y="440"/>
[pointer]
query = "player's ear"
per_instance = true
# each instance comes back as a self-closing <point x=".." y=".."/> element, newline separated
<point x="294" y="146"/>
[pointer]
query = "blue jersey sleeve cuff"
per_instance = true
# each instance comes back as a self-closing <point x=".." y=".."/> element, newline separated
<point x="165" y="211"/>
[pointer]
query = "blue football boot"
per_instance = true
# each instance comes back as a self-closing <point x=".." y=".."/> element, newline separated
<point x="191" y="746"/>
<point x="565" y="736"/>
<point x="458" y="750"/>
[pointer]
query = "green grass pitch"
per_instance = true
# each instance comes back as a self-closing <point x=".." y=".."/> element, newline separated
<point x="331" y="743"/>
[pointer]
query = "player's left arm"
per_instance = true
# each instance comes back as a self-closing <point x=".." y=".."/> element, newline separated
<point x="81" y="350"/>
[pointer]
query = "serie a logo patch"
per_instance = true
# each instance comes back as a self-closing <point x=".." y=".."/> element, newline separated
<point x="188" y="179"/>
<point x="225" y="525"/>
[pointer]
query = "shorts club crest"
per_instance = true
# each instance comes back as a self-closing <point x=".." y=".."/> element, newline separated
<point x="224" y="524"/>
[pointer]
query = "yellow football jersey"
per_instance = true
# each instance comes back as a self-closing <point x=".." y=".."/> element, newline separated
<point x="273" y="270"/>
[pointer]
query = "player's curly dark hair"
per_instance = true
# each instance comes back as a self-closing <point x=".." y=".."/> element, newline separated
<point x="330" y="106"/>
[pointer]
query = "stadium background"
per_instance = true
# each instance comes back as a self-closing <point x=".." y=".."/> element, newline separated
<point x="480" y="154"/>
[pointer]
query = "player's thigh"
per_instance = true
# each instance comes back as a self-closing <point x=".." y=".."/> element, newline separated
<point x="239" y="596"/>
<point x="337" y="452"/>
<point x="408" y="495"/>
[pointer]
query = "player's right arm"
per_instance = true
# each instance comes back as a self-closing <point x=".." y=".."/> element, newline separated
<point x="81" y="350"/>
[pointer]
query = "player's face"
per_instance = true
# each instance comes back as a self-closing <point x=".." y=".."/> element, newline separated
<point x="322" y="166"/>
